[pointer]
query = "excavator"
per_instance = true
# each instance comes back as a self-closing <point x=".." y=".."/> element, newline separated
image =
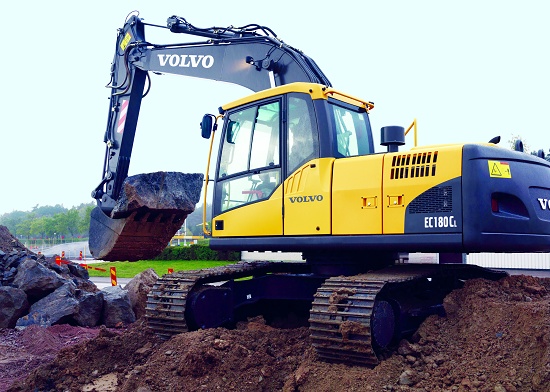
<point x="297" y="171"/>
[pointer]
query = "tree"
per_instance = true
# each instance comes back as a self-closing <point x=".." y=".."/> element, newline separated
<point x="60" y="224"/>
<point x="49" y="226"/>
<point x="194" y="220"/>
<point x="12" y="219"/>
<point x="46" y="221"/>
<point x="23" y="228"/>
<point x="48" y="210"/>
<point x="514" y="139"/>
<point x="84" y="222"/>
<point x="38" y="227"/>
<point x="72" y="219"/>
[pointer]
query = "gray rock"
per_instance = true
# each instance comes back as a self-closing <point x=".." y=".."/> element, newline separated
<point x="90" y="307"/>
<point x="61" y="269"/>
<point x="9" y="274"/>
<point x="159" y="190"/>
<point x="13" y="305"/>
<point x="138" y="288"/>
<point x="13" y="261"/>
<point x="151" y="208"/>
<point x="58" y="307"/>
<point x="116" y="307"/>
<point x="78" y="271"/>
<point x="407" y="378"/>
<point x="36" y="280"/>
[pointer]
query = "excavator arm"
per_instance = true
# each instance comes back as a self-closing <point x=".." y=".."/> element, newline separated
<point x="251" y="56"/>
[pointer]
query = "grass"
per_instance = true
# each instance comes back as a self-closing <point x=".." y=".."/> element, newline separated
<point x="126" y="269"/>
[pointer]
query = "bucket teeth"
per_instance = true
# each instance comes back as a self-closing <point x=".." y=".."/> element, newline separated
<point x="142" y="235"/>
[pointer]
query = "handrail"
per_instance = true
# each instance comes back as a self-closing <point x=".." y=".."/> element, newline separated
<point x="413" y="125"/>
<point x="368" y="105"/>
<point x="207" y="179"/>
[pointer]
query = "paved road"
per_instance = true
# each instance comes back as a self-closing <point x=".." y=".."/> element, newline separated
<point x="72" y="250"/>
<point x="102" y="282"/>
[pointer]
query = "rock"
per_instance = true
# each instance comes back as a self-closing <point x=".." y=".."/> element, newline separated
<point x="116" y="307"/>
<point x="58" y="307"/>
<point x="61" y="269"/>
<point x="407" y="378"/>
<point x="13" y="305"/>
<point x="35" y="290"/>
<point x="499" y="388"/>
<point x="535" y="289"/>
<point x="159" y="190"/>
<point x="151" y="208"/>
<point x="9" y="275"/>
<point x="36" y="280"/>
<point x="450" y="305"/>
<point x="90" y="307"/>
<point x="78" y="271"/>
<point x="220" y="344"/>
<point x="138" y="288"/>
<point x="407" y="348"/>
<point x="8" y="242"/>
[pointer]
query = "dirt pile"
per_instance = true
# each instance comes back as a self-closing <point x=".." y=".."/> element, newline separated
<point x="495" y="337"/>
<point x="22" y="351"/>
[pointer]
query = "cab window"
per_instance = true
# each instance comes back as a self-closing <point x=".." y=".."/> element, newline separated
<point x="352" y="132"/>
<point x="249" y="167"/>
<point x="303" y="137"/>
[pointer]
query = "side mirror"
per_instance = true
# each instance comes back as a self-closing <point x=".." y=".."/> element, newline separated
<point x="208" y="125"/>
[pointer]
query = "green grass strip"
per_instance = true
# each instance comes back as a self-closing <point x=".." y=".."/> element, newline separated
<point x="126" y="269"/>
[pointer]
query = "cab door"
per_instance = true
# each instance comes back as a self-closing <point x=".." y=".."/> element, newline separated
<point x="307" y="188"/>
<point x="248" y="190"/>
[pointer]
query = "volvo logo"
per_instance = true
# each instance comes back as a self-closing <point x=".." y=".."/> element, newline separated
<point x="186" y="60"/>
<point x="306" y="199"/>
<point x="544" y="204"/>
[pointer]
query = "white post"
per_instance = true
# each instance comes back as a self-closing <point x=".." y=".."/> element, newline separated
<point x="185" y="233"/>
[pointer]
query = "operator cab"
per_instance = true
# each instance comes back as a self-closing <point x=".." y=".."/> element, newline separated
<point x="273" y="134"/>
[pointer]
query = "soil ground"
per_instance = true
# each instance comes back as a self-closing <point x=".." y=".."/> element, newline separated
<point x="495" y="337"/>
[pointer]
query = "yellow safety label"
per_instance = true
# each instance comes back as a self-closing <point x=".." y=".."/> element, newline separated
<point x="499" y="169"/>
<point x="125" y="41"/>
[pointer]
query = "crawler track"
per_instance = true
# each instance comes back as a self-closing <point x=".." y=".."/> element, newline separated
<point x="340" y="320"/>
<point x="167" y="300"/>
<point x="351" y="318"/>
<point x="343" y="319"/>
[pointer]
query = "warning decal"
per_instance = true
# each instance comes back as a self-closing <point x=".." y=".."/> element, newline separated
<point x="122" y="116"/>
<point x="125" y="41"/>
<point x="499" y="169"/>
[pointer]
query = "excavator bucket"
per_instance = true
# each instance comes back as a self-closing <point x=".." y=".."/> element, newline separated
<point x="151" y="209"/>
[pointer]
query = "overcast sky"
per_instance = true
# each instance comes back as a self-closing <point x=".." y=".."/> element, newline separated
<point x="468" y="70"/>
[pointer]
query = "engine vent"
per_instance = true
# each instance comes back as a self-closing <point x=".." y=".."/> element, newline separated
<point x="434" y="200"/>
<point x="413" y="165"/>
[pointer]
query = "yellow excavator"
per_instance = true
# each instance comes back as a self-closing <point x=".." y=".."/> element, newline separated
<point x="297" y="171"/>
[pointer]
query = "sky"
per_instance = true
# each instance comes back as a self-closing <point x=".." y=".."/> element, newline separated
<point x="467" y="70"/>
